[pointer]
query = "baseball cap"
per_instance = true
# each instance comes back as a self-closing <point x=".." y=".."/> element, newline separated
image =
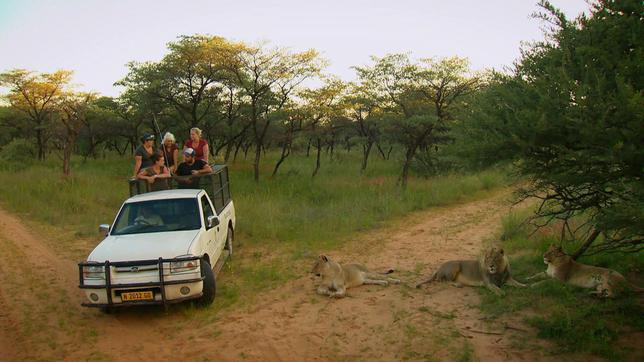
<point x="189" y="151"/>
<point x="147" y="136"/>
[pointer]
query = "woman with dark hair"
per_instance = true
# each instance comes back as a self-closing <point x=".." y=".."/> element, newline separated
<point x="143" y="154"/>
<point x="158" y="170"/>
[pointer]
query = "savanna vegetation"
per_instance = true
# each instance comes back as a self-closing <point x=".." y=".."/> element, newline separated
<point x="312" y="165"/>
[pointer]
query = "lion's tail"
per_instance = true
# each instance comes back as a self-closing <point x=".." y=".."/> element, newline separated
<point x="426" y="281"/>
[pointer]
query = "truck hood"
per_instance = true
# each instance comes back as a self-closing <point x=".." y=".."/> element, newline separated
<point x="146" y="246"/>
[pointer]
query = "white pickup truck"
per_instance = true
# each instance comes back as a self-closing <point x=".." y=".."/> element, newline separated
<point x="164" y="246"/>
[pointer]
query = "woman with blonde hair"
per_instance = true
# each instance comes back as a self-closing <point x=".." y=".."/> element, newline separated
<point x="198" y="144"/>
<point x="170" y="151"/>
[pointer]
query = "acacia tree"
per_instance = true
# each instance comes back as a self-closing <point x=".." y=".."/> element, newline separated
<point x="322" y="109"/>
<point x="267" y="78"/>
<point x="572" y="116"/>
<point x="73" y="109"/>
<point x="103" y="126"/>
<point x="363" y="110"/>
<point x="189" y="81"/>
<point x="35" y="95"/>
<point x="234" y="123"/>
<point x="289" y="123"/>
<point x="418" y="99"/>
<point x="582" y="130"/>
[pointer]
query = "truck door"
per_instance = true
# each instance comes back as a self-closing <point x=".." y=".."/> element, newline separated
<point x="212" y="234"/>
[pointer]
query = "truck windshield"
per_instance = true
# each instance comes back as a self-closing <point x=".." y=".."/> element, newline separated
<point x="158" y="216"/>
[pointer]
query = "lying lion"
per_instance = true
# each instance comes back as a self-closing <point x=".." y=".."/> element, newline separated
<point x="491" y="270"/>
<point x="337" y="278"/>
<point x="562" y="267"/>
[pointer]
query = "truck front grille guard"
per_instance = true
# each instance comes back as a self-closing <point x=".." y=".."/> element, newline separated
<point x="108" y="286"/>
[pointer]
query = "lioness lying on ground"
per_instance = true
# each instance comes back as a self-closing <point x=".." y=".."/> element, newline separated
<point x="491" y="270"/>
<point x="606" y="282"/>
<point x="337" y="278"/>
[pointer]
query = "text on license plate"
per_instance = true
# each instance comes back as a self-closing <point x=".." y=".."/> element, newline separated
<point x="126" y="297"/>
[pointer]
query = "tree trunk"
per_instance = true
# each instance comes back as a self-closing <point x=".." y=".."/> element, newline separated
<point x="258" y="156"/>
<point x="382" y="153"/>
<point x="41" y="144"/>
<point x="317" y="161"/>
<point x="389" y="152"/>
<point x="582" y="249"/>
<point x="246" y="148"/>
<point x="229" y="149"/>
<point x="409" y="155"/>
<point x="286" y="151"/>
<point x="308" y="148"/>
<point x="67" y="155"/>
<point x="237" y="147"/>
<point x="366" y="150"/>
<point x="121" y="153"/>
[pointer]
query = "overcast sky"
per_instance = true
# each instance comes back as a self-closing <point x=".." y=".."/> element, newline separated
<point x="96" y="38"/>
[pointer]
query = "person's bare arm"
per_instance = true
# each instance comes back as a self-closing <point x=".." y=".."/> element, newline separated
<point x="206" y="151"/>
<point x="137" y="165"/>
<point x="204" y="170"/>
<point x="165" y="173"/>
<point x="143" y="176"/>
<point x="175" y="158"/>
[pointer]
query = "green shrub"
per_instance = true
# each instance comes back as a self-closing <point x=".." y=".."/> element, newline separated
<point x="17" y="155"/>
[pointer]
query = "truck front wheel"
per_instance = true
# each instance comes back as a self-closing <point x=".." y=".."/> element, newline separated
<point x="209" y="286"/>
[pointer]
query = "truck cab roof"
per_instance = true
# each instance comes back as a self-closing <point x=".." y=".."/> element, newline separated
<point x="166" y="194"/>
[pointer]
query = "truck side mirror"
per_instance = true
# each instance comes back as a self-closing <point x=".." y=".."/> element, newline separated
<point x="213" y="221"/>
<point x="104" y="228"/>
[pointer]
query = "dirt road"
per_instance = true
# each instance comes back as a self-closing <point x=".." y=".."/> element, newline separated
<point x="41" y="319"/>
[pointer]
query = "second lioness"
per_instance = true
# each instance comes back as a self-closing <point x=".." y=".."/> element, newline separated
<point x="605" y="282"/>
<point x="491" y="270"/>
<point x="337" y="278"/>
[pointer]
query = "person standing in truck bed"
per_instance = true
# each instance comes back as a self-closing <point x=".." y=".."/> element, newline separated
<point x="198" y="144"/>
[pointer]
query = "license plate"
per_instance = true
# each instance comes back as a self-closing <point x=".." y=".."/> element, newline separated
<point x="126" y="297"/>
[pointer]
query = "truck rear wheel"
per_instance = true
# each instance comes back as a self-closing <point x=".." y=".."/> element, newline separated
<point x="209" y="286"/>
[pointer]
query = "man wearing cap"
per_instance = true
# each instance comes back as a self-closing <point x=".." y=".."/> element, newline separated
<point x="143" y="153"/>
<point x="191" y="166"/>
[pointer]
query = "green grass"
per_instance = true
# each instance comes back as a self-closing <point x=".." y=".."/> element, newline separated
<point x="281" y="221"/>
<point x="575" y="321"/>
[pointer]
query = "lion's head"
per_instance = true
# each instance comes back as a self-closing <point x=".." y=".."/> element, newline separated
<point x="554" y="255"/>
<point x="321" y="265"/>
<point x="494" y="260"/>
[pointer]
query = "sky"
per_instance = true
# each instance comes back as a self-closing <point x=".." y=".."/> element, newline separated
<point x="97" y="38"/>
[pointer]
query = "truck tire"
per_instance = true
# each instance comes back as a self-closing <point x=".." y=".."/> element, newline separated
<point x="229" y="241"/>
<point x="209" y="286"/>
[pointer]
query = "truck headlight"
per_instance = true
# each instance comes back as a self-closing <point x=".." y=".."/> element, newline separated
<point x="94" y="272"/>
<point x="184" y="266"/>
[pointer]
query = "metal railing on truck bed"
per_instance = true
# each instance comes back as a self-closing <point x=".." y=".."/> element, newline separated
<point x="216" y="184"/>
